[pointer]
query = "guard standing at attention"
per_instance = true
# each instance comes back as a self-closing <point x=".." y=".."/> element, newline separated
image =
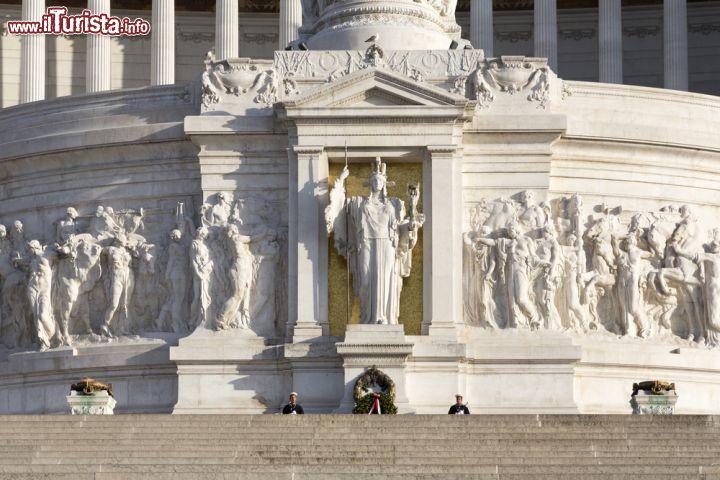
<point x="293" y="408"/>
<point x="459" y="408"/>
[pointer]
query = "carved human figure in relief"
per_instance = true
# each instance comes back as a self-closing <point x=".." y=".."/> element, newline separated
<point x="235" y="312"/>
<point x="480" y="267"/>
<point x="5" y="245"/>
<point x="572" y="278"/>
<point x="531" y="215"/>
<point x="220" y="212"/>
<point x="202" y="268"/>
<point x="683" y="246"/>
<point x="516" y="253"/>
<point x="17" y="237"/>
<point x="548" y="259"/>
<point x="39" y="265"/>
<point x="629" y="275"/>
<point x="173" y="312"/>
<point x="103" y="225"/>
<point x="78" y="270"/>
<point x="709" y="262"/>
<point x="120" y="286"/>
<point x="66" y="228"/>
<point x="376" y="236"/>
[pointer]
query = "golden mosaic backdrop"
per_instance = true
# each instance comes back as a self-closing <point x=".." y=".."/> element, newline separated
<point x="411" y="308"/>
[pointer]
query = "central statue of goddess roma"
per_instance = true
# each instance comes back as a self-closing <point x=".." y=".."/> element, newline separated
<point x="376" y="237"/>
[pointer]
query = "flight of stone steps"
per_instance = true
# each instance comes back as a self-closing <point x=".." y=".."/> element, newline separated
<point x="324" y="447"/>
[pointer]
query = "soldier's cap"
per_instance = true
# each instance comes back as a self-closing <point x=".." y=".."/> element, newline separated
<point x="458" y="395"/>
<point x="293" y="393"/>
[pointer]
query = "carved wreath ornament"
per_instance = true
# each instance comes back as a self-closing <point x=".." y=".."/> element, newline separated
<point x="363" y="388"/>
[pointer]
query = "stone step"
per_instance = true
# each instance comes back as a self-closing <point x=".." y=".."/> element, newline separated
<point x="375" y="458"/>
<point x="363" y="469"/>
<point x="544" y="446"/>
<point x="661" y="452"/>
<point x="334" y="476"/>
<point x="449" y="429"/>
<point x="406" y="420"/>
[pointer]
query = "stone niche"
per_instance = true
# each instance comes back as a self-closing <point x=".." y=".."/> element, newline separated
<point x="403" y="172"/>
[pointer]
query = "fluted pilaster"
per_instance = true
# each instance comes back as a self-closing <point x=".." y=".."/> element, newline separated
<point x="481" y="25"/>
<point x="290" y="21"/>
<point x="32" y="55"/>
<point x="610" y="41"/>
<point x="675" y="43"/>
<point x="227" y="40"/>
<point x="546" y="31"/>
<point x="162" y="63"/>
<point x="99" y="57"/>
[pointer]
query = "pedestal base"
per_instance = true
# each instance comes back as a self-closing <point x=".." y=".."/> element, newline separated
<point x="98" y="403"/>
<point x="648" y="404"/>
<point x="382" y="346"/>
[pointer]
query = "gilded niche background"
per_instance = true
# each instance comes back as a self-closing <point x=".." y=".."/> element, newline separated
<point x="339" y="288"/>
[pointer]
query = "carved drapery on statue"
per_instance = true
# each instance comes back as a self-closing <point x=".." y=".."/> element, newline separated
<point x="556" y="266"/>
<point x="100" y="278"/>
<point x="376" y="236"/>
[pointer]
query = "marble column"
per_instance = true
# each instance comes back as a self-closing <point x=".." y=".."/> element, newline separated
<point x="442" y="242"/>
<point x="98" y="63"/>
<point x="610" y="41"/>
<point x="162" y="56"/>
<point x="32" y="55"/>
<point x="290" y="21"/>
<point x="308" y="244"/>
<point x="481" y="25"/>
<point x="546" y="31"/>
<point x="227" y="26"/>
<point x="675" y="43"/>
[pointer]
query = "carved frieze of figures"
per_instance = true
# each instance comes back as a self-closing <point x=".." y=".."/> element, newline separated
<point x="100" y="279"/>
<point x="235" y="255"/>
<point x="557" y="266"/>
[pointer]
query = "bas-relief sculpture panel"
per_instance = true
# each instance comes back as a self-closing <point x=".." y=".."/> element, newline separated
<point x="589" y="270"/>
<point x="410" y="307"/>
<point x="99" y="279"/>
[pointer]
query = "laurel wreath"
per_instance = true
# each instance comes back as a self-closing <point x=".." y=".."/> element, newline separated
<point x="363" y="401"/>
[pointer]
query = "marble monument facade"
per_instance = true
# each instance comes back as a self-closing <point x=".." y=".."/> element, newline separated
<point x="175" y="240"/>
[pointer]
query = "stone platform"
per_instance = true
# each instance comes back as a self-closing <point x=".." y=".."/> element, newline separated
<point x="324" y="447"/>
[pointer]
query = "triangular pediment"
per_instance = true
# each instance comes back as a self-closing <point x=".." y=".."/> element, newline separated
<point x="375" y="87"/>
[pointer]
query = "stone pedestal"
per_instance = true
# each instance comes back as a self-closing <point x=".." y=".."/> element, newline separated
<point x="645" y="403"/>
<point x="383" y="346"/>
<point x="98" y="403"/>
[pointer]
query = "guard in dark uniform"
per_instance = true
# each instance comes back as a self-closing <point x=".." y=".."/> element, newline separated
<point x="293" y="408"/>
<point x="459" y="408"/>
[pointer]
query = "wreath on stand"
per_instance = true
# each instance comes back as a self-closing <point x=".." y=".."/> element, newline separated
<point x="365" y="396"/>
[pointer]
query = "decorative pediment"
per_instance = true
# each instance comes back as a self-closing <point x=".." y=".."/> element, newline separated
<point x="375" y="87"/>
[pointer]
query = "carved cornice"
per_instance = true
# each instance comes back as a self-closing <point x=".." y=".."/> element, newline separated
<point x="308" y="149"/>
<point x="436" y="150"/>
<point x="375" y="352"/>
